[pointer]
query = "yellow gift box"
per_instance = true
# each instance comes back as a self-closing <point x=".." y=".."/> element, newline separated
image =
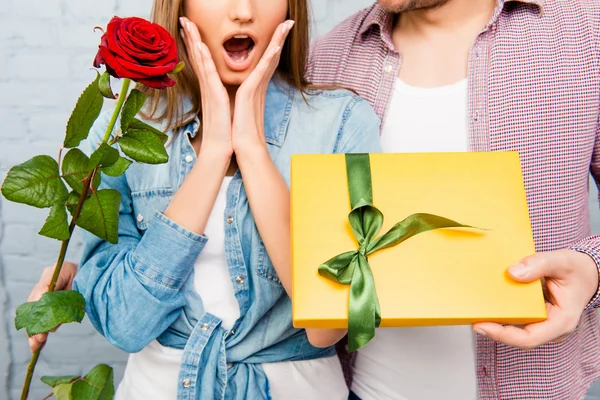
<point x="451" y="276"/>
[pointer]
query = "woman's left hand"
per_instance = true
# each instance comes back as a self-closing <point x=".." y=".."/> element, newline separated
<point x="248" y="120"/>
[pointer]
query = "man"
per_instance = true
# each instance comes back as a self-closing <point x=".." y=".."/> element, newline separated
<point x="487" y="75"/>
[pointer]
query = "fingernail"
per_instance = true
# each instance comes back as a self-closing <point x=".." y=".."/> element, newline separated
<point x="290" y="24"/>
<point x="518" y="270"/>
<point x="182" y="33"/>
<point x="479" y="332"/>
<point x="182" y="21"/>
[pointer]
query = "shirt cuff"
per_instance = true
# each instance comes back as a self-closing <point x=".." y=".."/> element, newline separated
<point x="591" y="247"/>
<point x="167" y="252"/>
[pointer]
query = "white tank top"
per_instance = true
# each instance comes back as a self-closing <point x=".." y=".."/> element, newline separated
<point x="152" y="374"/>
<point x="432" y="362"/>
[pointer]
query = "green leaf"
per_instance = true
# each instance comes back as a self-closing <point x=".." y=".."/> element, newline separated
<point x="35" y="182"/>
<point x="86" y="111"/>
<point x="134" y="103"/>
<point x="53" y="381"/>
<point x="52" y="310"/>
<point x="96" y="385"/>
<point x="104" y="86"/>
<point x="179" y="67"/>
<point x="138" y="125"/>
<point x="56" y="225"/>
<point x="63" y="391"/>
<point x="118" y="168"/>
<point x="73" y="199"/>
<point x="100" y="214"/>
<point x="104" y="156"/>
<point x="75" y="168"/>
<point x="144" y="147"/>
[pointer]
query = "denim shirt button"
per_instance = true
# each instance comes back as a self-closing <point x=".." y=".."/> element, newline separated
<point x="186" y="383"/>
<point x="239" y="279"/>
<point x="204" y="327"/>
<point x="140" y="217"/>
<point x="189" y="158"/>
<point x="230" y="220"/>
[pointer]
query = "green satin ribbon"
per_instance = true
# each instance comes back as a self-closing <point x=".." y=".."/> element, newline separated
<point x="352" y="268"/>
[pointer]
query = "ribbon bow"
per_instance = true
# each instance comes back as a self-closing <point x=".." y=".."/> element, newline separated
<point x="352" y="267"/>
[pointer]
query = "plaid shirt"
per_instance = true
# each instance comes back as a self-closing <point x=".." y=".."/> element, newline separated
<point x="534" y="86"/>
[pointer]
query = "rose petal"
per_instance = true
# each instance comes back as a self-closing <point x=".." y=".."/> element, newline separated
<point x="162" y="82"/>
<point x="142" y="53"/>
<point x="149" y="71"/>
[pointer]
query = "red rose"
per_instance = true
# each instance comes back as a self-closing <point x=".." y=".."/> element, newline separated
<point x="139" y="50"/>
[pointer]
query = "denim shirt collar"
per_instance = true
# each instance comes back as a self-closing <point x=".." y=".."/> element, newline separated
<point x="280" y="97"/>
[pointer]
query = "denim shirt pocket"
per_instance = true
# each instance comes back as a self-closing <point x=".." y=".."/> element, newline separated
<point x="146" y="203"/>
<point x="264" y="266"/>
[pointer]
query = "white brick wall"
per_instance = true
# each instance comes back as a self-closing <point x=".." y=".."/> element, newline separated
<point x="46" y="50"/>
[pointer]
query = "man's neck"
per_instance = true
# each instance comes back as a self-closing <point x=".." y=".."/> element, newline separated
<point x="450" y="16"/>
<point x="435" y="43"/>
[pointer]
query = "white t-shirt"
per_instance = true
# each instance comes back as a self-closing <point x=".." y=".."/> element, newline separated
<point x="152" y="374"/>
<point x="427" y="362"/>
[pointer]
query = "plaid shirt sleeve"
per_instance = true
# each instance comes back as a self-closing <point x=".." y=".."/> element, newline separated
<point x="591" y="245"/>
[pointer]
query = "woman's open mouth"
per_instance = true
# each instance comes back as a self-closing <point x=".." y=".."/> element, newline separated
<point x="238" y="52"/>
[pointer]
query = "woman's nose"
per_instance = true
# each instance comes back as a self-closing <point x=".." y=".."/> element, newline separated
<point x="241" y="10"/>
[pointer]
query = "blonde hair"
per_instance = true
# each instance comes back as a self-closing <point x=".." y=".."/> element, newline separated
<point x="167" y="105"/>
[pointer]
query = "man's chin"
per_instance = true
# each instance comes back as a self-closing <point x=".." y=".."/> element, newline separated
<point x="400" y="6"/>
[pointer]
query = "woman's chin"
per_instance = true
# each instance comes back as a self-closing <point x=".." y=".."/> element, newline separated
<point x="234" y="78"/>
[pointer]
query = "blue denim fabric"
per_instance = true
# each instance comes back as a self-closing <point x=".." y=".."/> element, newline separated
<point x="142" y="288"/>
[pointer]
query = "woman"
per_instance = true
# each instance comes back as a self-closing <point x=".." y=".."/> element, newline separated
<point x="197" y="287"/>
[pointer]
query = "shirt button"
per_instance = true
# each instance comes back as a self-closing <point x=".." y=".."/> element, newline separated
<point x="230" y="220"/>
<point x="239" y="279"/>
<point x="189" y="158"/>
<point x="388" y="68"/>
<point x="186" y="383"/>
<point x="204" y="327"/>
<point x="140" y="217"/>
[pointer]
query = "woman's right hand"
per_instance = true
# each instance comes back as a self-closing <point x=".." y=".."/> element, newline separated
<point x="216" y="112"/>
<point x="64" y="282"/>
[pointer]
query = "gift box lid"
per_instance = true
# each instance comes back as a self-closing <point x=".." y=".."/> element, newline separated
<point x="441" y="277"/>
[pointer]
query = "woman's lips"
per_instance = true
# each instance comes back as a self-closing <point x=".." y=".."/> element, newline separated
<point x="239" y="52"/>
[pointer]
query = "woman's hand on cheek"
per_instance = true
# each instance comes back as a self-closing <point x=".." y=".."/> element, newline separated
<point x="216" y="114"/>
<point x="248" y="120"/>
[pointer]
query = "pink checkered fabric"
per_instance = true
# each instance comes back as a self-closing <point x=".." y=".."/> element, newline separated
<point x="534" y="86"/>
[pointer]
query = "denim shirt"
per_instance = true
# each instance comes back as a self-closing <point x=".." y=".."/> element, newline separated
<point x="141" y="289"/>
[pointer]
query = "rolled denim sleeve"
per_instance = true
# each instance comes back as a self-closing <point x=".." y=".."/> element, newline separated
<point x="132" y="289"/>
<point x="167" y="252"/>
